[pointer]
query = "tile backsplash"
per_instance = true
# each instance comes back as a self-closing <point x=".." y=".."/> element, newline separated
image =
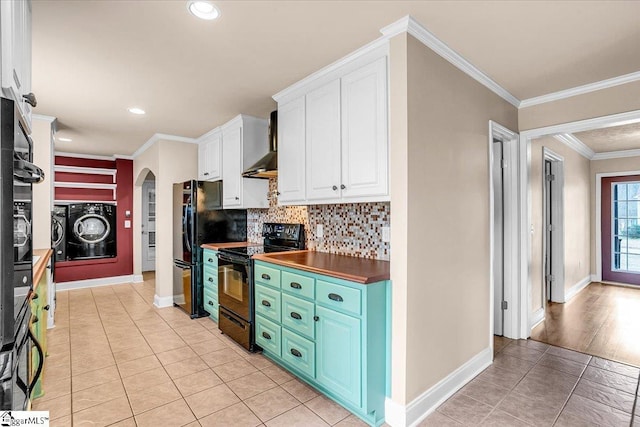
<point x="348" y="229"/>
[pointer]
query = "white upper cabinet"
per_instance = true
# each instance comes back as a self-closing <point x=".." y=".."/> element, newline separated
<point x="15" y="23"/>
<point x="323" y="142"/>
<point x="244" y="142"/>
<point x="291" y="151"/>
<point x="210" y="157"/>
<point x="344" y="125"/>
<point x="364" y="132"/>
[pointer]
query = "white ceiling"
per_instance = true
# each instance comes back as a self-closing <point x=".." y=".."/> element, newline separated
<point x="617" y="138"/>
<point x="93" y="59"/>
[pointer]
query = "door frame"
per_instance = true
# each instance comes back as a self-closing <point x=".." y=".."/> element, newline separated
<point x="598" y="216"/>
<point x="557" y="219"/>
<point x="147" y="185"/>
<point x="522" y="288"/>
<point x="510" y="220"/>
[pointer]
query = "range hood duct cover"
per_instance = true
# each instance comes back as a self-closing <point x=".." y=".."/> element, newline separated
<point x="267" y="166"/>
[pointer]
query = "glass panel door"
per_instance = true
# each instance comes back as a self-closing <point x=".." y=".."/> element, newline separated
<point x="621" y="229"/>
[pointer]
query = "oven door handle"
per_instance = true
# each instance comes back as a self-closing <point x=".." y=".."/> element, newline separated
<point x="26" y="172"/>
<point x="36" y="376"/>
<point x="234" y="259"/>
<point x="181" y="264"/>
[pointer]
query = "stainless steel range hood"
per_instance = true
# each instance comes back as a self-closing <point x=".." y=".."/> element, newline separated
<point x="267" y="166"/>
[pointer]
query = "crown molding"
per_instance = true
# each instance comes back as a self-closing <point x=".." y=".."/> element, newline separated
<point x="581" y="90"/>
<point x="575" y="144"/>
<point x="158" y="137"/>
<point x="409" y="25"/>
<point x="616" y="154"/>
<point x="84" y="156"/>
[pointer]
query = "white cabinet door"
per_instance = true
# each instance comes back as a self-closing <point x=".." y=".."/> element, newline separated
<point x="291" y="151"/>
<point x="323" y="142"/>
<point x="209" y="158"/>
<point x="232" y="171"/>
<point x="364" y="132"/>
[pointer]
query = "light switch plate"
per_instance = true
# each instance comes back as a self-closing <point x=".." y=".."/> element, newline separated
<point x="319" y="231"/>
<point x="386" y="234"/>
<point x="127" y="224"/>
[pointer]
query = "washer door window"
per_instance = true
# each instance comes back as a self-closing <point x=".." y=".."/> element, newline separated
<point x="91" y="228"/>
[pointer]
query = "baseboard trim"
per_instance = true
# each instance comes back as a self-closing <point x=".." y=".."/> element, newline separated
<point x="577" y="288"/>
<point x="536" y="318"/>
<point x="93" y="283"/>
<point x="398" y="415"/>
<point x="162" y="302"/>
<point x="137" y="278"/>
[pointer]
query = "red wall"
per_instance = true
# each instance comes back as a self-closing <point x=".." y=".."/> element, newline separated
<point x="122" y="264"/>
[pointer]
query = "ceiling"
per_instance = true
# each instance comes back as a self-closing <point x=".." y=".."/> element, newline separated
<point x="617" y="138"/>
<point x="94" y="59"/>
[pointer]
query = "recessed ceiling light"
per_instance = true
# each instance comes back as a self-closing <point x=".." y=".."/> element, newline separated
<point x="203" y="9"/>
<point x="64" y="139"/>
<point x="136" y="110"/>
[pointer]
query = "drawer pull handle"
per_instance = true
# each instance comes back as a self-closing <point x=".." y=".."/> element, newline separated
<point x="35" y="296"/>
<point x="266" y="303"/>
<point x="46" y="307"/>
<point x="210" y="260"/>
<point x="335" y="297"/>
<point x="266" y="335"/>
<point x="211" y="279"/>
<point x="265" y="276"/>
<point x="296" y="353"/>
<point x="296" y="315"/>
<point x="296" y="285"/>
<point x="210" y="302"/>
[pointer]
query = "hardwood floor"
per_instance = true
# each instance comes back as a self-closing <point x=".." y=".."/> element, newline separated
<point x="602" y="320"/>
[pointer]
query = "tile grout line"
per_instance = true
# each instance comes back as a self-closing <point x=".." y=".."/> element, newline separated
<point x="635" y="403"/>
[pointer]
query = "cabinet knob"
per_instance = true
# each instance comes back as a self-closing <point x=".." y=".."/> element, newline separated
<point x="335" y="187"/>
<point x="210" y="302"/>
<point x="210" y="260"/>
<point x="211" y="279"/>
<point x="35" y="296"/>
<point x="237" y="198"/>
<point x="342" y="186"/>
<point x="316" y="318"/>
<point x="206" y="173"/>
<point x="46" y="307"/>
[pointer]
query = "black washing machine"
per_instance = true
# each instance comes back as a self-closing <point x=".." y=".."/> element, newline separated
<point x="59" y="232"/>
<point x="91" y="230"/>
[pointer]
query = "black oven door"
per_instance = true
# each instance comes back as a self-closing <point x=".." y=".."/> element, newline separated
<point x="234" y="289"/>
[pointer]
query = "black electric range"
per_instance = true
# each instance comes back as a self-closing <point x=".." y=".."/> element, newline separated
<point x="236" y="282"/>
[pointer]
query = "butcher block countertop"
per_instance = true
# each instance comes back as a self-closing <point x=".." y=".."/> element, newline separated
<point x="218" y="246"/>
<point x="360" y="270"/>
<point x="41" y="265"/>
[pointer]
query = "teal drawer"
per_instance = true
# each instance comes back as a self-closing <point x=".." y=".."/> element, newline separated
<point x="210" y="278"/>
<point x="268" y="302"/>
<point x="298" y="352"/>
<point x="268" y="336"/>
<point x="297" y="315"/>
<point x="267" y="275"/>
<point x="297" y="284"/>
<point x="210" y="304"/>
<point x="210" y="259"/>
<point x="338" y="297"/>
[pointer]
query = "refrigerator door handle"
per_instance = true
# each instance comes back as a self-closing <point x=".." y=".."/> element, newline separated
<point x="185" y="230"/>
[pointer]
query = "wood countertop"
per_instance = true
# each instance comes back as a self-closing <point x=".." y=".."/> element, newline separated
<point x="40" y="266"/>
<point x="354" y="269"/>
<point x="218" y="246"/>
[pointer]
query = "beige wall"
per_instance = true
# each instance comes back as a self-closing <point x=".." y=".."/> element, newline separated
<point x="627" y="164"/>
<point x="170" y="162"/>
<point x="618" y="99"/>
<point x="42" y="134"/>
<point x="577" y="216"/>
<point x="444" y="201"/>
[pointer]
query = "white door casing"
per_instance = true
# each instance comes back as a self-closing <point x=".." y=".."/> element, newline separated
<point x="557" y="222"/>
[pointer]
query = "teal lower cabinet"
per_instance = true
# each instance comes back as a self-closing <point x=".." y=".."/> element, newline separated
<point x="210" y="283"/>
<point x="329" y="332"/>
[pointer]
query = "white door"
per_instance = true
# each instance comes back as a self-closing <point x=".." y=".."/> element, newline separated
<point x="291" y="151"/>
<point x="323" y="142"/>
<point x="148" y="226"/>
<point x="232" y="173"/>
<point x="364" y="131"/>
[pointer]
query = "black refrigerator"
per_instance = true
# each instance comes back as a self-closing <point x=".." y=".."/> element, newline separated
<point x="198" y="218"/>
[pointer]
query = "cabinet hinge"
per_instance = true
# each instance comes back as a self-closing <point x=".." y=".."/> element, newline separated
<point x="550" y="227"/>
<point x="503" y="163"/>
<point x="550" y="177"/>
<point x="505" y="305"/>
<point x="550" y="277"/>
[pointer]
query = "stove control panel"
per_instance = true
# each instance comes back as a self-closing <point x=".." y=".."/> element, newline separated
<point x="283" y="232"/>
